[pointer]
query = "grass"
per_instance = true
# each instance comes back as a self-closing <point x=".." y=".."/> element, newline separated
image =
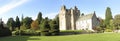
<point x="79" y="37"/>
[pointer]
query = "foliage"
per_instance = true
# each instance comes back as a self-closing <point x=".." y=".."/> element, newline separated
<point x="17" y="23"/>
<point x="4" y="31"/>
<point x="45" y="27"/>
<point x="39" y="17"/>
<point x="99" y="29"/>
<point x="108" y="16"/>
<point x="22" y="27"/>
<point x="54" y="27"/>
<point x="116" y="22"/>
<point x="108" y="30"/>
<point x="112" y="25"/>
<point x="35" y="25"/>
<point x="11" y="23"/>
<point x="27" y="22"/>
<point x="57" y="19"/>
<point x="27" y="32"/>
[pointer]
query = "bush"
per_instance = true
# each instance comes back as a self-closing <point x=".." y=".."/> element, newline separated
<point x="45" y="33"/>
<point x="15" y="33"/>
<point x="30" y="32"/>
<point x="27" y="32"/>
<point x="54" y="32"/>
<point x="70" y="32"/>
<point x="5" y="32"/>
<point x="108" y="30"/>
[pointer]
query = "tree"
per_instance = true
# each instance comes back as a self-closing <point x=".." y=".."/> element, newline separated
<point x="54" y="27"/>
<point x="18" y="22"/>
<point x="112" y="25"/>
<point x="108" y="16"/>
<point x="11" y="23"/>
<point x="82" y="14"/>
<point x="4" y="31"/>
<point x="45" y="27"/>
<point x="57" y="20"/>
<point x="39" y="17"/>
<point x="102" y="25"/>
<point x="116" y="22"/>
<point x="27" y="22"/>
<point x="35" y="25"/>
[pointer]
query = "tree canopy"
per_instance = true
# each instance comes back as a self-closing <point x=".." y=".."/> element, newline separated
<point x="108" y="16"/>
<point x="27" y="22"/>
<point x="11" y="23"/>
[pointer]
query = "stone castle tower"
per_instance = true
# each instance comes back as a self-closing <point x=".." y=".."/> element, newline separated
<point x="68" y="17"/>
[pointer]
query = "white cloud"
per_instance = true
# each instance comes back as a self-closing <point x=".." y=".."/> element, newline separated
<point x="11" y="5"/>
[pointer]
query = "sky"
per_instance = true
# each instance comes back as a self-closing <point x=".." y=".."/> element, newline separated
<point x="50" y="8"/>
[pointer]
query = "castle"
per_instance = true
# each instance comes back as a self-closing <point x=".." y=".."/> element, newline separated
<point x="71" y="19"/>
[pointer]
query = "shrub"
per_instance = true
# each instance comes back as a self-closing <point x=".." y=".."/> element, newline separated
<point x="108" y="30"/>
<point x="30" y="32"/>
<point x="5" y="32"/>
<point x="15" y="33"/>
<point x="27" y="32"/>
<point x="45" y="33"/>
<point x="70" y="32"/>
<point x="54" y="32"/>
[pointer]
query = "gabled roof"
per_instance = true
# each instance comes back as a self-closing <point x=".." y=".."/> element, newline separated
<point x="85" y="17"/>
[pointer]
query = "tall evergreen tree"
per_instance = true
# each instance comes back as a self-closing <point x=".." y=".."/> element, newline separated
<point x="39" y="17"/>
<point x="17" y="22"/>
<point x="108" y="16"/>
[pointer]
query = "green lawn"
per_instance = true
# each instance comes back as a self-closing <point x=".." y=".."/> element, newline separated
<point x="80" y="37"/>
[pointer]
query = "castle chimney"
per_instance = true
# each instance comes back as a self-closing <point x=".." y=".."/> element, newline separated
<point x="75" y="8"/>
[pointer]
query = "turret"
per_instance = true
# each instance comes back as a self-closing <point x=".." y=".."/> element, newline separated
<point x="63" y="7"/>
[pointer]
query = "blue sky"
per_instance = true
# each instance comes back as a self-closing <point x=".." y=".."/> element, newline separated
<point x="49" y="8"/>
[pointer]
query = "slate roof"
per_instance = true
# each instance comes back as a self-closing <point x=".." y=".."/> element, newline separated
<point x="85" y="17"/>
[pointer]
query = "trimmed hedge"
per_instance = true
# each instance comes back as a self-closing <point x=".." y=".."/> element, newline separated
<point x="27" y="32"/>
<point x="72" y="32"/>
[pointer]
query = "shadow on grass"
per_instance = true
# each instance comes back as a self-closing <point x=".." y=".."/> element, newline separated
<point x="17" y="38"/>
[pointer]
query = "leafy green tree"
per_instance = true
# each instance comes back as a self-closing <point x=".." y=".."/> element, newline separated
<point x="101" y="27"/>
<point x="108" y="16"/>
<point x="39" y="17"/>
<point x="11" y="23"/>
<point x="17" y="22"/>
<point x="57" y="20"/>
<point x="116" y="22"/>
<point x="45" y="27"/>
<point x="27" y="22"/>
<point x="112" y="25"/>
<point x="54" y="27"/>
